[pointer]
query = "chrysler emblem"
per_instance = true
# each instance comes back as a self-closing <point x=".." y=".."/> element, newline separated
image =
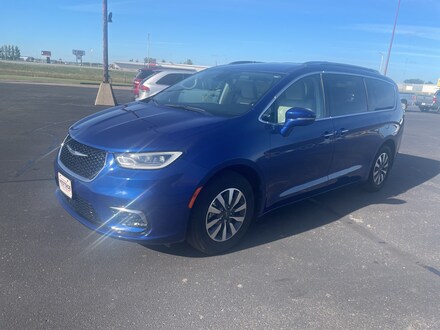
<point x="74" y="152"/>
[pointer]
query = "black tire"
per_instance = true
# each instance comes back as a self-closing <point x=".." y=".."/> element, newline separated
<point x="380" y="169"/>
<point x="221" y="214"/>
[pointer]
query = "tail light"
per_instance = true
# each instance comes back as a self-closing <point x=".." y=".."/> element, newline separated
<point x="144" y="88"/>
<point x="434" y="99"/>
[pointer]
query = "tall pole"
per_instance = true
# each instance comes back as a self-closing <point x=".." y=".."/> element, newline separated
<point x="392" y="39"/>
<point x="105" y="40"/>
<point x="148" y="51"/>
<point x="105" y="93"/>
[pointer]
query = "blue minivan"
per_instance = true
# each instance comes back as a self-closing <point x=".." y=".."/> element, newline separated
<point x="204" y="157"/>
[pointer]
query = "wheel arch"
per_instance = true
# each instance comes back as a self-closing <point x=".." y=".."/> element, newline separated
<point x="392" y="145"/>
<point x="254" y="179"/>
<point x="250" y="173"/>
<point x="230" y="173"/>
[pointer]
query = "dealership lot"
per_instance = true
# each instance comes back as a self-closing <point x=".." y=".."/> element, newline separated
<point x="347" y="259"/>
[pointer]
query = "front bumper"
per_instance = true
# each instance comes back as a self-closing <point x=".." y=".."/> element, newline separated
<point x="149" y="206"/>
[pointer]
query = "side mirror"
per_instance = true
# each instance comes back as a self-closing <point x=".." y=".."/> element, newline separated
<point x="297" y="117"/>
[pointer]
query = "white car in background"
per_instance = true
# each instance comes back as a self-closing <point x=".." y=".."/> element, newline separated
<point x="158" y="81"/>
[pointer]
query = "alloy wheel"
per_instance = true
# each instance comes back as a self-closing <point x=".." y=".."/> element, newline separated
<point x="226" y="214"/>
<point x="381" y="168"/>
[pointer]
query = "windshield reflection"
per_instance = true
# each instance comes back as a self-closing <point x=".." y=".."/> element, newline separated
<point x="219" y="91"/>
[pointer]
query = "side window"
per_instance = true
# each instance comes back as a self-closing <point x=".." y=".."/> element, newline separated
<point x="346" y="94"/>
<point x="170" y="79"/>
<point x="304" y="93"/>
<point x="381" y="95"/>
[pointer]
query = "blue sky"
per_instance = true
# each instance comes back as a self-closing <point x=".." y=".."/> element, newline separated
<point x="217" y="32"/>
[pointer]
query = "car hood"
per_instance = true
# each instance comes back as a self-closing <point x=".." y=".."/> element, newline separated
<point x="140" y="126"/>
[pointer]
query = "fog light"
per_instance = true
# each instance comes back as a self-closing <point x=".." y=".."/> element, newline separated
<point x="126" y="220"/>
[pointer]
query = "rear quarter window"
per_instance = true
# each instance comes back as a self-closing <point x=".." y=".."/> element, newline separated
<point x="346" y="94"/>
<point x="381" y="94"/>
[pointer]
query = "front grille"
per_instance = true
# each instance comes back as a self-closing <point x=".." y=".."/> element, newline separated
<point x="81" y="159"/>
<point x="84" y="209"/>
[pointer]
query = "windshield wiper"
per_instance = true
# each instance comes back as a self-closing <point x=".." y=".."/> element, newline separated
<point x="149" y="99"/>
<point x="187" y="107"/>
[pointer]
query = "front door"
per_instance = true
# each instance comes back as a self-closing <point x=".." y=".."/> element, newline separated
<point x="298" y="163"/>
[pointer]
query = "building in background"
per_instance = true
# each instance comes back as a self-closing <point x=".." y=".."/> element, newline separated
<point x="134" y="66"/>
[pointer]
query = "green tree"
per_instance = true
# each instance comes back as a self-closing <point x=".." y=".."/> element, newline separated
<point x="9" y="52"/>
<point x="9" y="55"/>
<point x="149" y="60"/>
<point x="4" y="52"/>
<point x="17" y="53"/>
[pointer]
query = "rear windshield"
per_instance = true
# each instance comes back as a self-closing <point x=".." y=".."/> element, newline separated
<point x="142" y="74"/>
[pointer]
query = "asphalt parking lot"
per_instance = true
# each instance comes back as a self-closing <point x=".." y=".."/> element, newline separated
<point x="345" y="260"/>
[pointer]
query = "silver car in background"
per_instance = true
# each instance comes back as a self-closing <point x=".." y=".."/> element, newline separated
<point x="161" y="80"/>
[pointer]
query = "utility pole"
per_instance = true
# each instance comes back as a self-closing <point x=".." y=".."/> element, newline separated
<point x="392" y="39"/>
<point x="105" y="93"/>
<point x="148" y="51"/>
<point x="105" y="40"/>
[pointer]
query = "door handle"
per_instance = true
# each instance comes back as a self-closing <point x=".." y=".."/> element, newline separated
<point x="328" y="134"/>
<point x="343" y="131"/>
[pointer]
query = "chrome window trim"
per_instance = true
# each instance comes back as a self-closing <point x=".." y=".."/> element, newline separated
<point x="366" y="92"/>
<point x="322" y="73"/>
<point x="284" y="89"/>
<point x="396" y="92"/>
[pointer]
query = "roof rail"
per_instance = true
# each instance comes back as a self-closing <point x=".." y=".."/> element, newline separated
<point x="341" y="65"/>
<point x="244" y="62"/>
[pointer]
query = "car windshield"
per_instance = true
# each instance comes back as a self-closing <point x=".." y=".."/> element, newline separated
<point x="219" y="91"/>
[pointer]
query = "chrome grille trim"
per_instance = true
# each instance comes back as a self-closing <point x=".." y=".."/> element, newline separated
<point x="84" y="163"/>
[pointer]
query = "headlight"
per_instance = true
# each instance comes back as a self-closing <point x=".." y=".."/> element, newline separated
<point x="147" y="160"/>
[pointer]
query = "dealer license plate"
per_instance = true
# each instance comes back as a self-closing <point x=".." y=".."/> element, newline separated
<point x="65" y="185"/>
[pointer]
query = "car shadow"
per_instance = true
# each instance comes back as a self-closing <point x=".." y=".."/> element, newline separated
<point x="408" y="172"/>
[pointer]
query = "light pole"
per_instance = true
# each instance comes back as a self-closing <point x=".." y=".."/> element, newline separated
<point x="105" y="93"/>
<point x="105" y="40"/>
<point x="392" y="39"/>
<point x="148" y="52"/>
